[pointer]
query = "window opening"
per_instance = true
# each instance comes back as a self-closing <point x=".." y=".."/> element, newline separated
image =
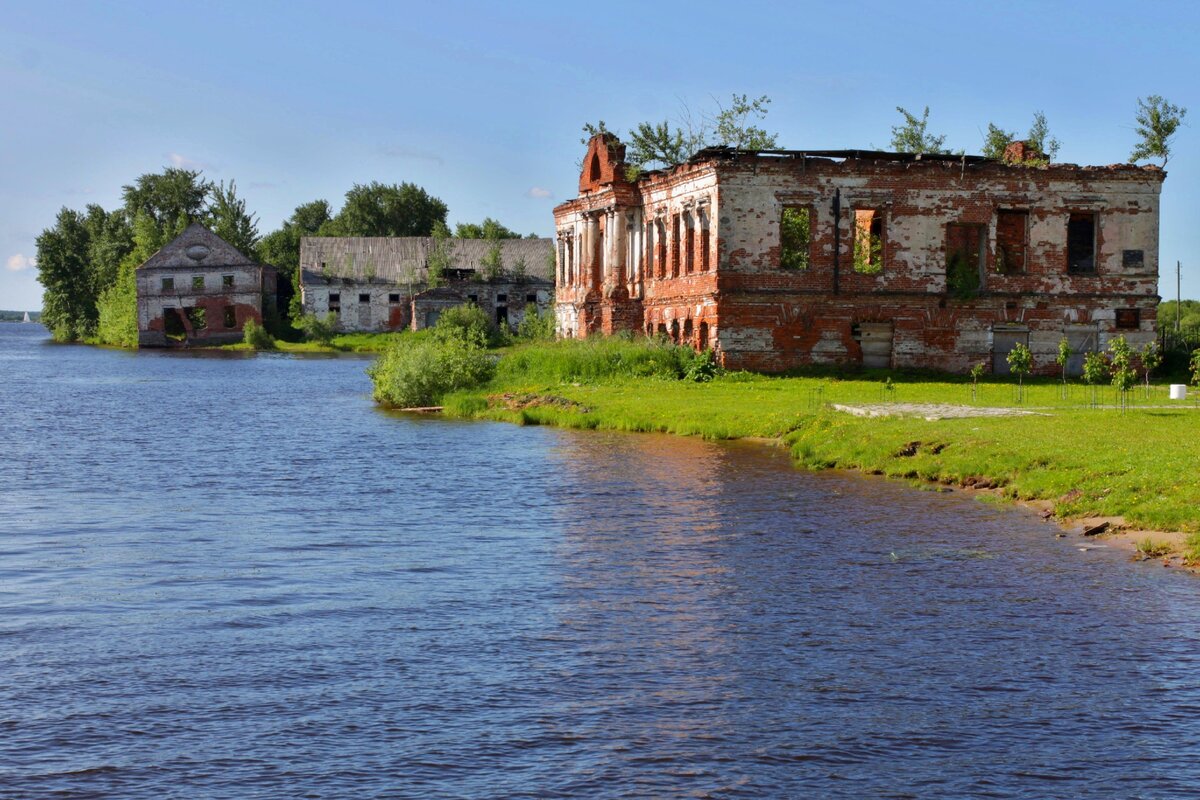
<point x="868" y="241"/>
<point x="1081" y="243"/>
<point x="227" y="281"/>
<point x="168" y="284"/>
<point x="965" y="256"/>
<point x="364" y="298"/>
<point x="394" y="298"/>
<point x="197" y="281"/>
<point x="795" y="236"/>
<point x="230" y="316"/>
<point x="197" y="317"/>
<point x="1012" y="233"/>
<point x="1129" y="318"/>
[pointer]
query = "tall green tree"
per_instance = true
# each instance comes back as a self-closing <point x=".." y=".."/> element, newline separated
<point x="488" y="229"/>
<point x="913" y="136"/>
<point x="281" y="249"/>
<point x="996" y="141"/>
<point x="1040" y="138"/>
<point x="69" y="302"/>
<point x="377" y="209"/>
<point x="167" y="196"/>
<point x="1157" y="122"/>
<point x="110" y="238"/>
<point x="226" y="216"/>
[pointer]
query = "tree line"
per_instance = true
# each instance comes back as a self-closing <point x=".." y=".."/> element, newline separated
<point x="87" y="259"/>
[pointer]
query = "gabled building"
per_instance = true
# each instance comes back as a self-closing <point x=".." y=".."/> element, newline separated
<point x="199" y="289"/>
<point x="784" y="258"/>
<point x="382" y="283"/>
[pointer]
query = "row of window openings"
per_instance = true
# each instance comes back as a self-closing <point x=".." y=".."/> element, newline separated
<point x="335" y="299"/>
<point x="197" y="316"/>
<point x="678" y="336"/>
<point x="965" y="243"/>
<point x="168" y="284"/>
<point x="682" y="261"/>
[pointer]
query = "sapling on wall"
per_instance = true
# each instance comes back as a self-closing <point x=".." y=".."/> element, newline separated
<point x="1020" y="361"/>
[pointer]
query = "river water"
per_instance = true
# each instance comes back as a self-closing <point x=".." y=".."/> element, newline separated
<point x="234" y="577"/>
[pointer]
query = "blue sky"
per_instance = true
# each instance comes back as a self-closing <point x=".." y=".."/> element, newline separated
<point x="481" y="103"/>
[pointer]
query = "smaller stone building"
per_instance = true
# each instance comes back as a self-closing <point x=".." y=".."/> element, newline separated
<point x="200" y="289"/>
<point x="382" y="283"/>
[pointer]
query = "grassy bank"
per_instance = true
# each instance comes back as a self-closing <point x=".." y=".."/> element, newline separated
<point x="342" y="343"/>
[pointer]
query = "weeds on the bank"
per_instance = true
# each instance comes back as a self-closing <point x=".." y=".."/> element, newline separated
<point x="1152" y="548"/>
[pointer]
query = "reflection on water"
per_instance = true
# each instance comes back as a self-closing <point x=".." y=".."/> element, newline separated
<point x="234" y="578"/>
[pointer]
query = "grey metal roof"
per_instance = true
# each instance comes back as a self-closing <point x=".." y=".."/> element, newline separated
<point x="403" y="260"/>
<point x="196" y="248"/>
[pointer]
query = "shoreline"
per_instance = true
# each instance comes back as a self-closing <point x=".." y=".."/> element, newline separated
<point x="1168" y="546"/>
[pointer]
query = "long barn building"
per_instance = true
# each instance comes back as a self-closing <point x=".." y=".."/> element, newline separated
<point x="779" y="259"/>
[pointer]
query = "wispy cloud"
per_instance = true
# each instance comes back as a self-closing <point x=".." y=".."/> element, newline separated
<point x="538" y="191"/>
<point x="183" y="162"/>
<point x="19" y="262"/>
<point x="401" y="151"/>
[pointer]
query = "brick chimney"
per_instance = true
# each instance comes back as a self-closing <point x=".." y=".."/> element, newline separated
<point x="1020" y="152"/>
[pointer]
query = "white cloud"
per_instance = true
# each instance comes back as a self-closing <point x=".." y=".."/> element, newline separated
<point x="19" y="262"/>
<point x="183" y="162"/>
<point x="538" y="191"/>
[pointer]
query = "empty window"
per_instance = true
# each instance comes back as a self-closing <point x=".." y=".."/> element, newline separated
<point x="168" y="284"/>
<point x="198" y="318"/>
<point x="1133" y="259"/>
<point x="1081" y="243"/>
<point x="1129" y="318"/>
<point x="594" y="171"/>
<point x="230" y="317"/>
<point x="501" y="298"/>
<point x="502" y="315"/>
<point x="197" y="281"/>
<point x="675" y="234"/>
<point x="472" y="298"/>
<point x="394" y="298"/>
<point x="689" y="246"/>
<point x="335" y="297"/>
<point x="364" y="298"/>
<point x="531" y="298"/>
<point x="795" y="236"/>
<point x="1011" y="235"/>
<point x="868" y="241"/>
<point x="227" y="281"/>
<point x="964" y="256"/>
<point x="705" y="243"/>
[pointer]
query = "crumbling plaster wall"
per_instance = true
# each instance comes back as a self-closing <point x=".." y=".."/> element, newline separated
<point x="250" y="285"/>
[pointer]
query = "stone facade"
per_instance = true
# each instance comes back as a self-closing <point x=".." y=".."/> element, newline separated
<point x="779" y="259"/>
<point x="199" y="289"/>
<point x="381" y="284"/>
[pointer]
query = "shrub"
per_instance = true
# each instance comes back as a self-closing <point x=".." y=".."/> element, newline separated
<point x="962" y="279"/>
<point x="419" y="371"/>
<point x="319" y="328"/>
<point x="469" y="323"/>
<point x="257" y="336"/>
<point x="536" y="325"/>
<point x="597" y="358"/>
<point x="703" y="367"/>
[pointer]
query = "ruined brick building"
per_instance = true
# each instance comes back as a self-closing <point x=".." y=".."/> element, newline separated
<point x="382" y="284"/>
<point x="200" y="289"/>
<point x="778" y="259"/>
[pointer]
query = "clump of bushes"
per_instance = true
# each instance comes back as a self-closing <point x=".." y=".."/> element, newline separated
<point x="319" y="328"/>
<point x="598" y="358"/>
<point x="257" y="336"/>
<point x="420" y="369"/>
<point x="536" y="326"/>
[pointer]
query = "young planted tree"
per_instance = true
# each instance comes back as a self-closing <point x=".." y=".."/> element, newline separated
<point x="439" y="259"/>
<point x="977" y="371"/>
<point x="1157" y="121"/>
<point x="1194" y="365"/>
<point x="1020" y="361"/>
<point x="1151" y="357"/>
<point x="1095" y="370"/>
<point x="1121" y="367"/>
<point x="1062" y="359"/>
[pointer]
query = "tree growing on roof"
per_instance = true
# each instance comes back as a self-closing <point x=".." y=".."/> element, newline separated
<point x="912" y="135"/>
<point x="1157" y="122"/>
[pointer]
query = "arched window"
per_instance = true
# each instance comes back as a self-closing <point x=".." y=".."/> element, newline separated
<point x="675" y="331"/>
<point x="594" y="170"/>
<point x="687" y="331"/>
<point x="703" y="335"/>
